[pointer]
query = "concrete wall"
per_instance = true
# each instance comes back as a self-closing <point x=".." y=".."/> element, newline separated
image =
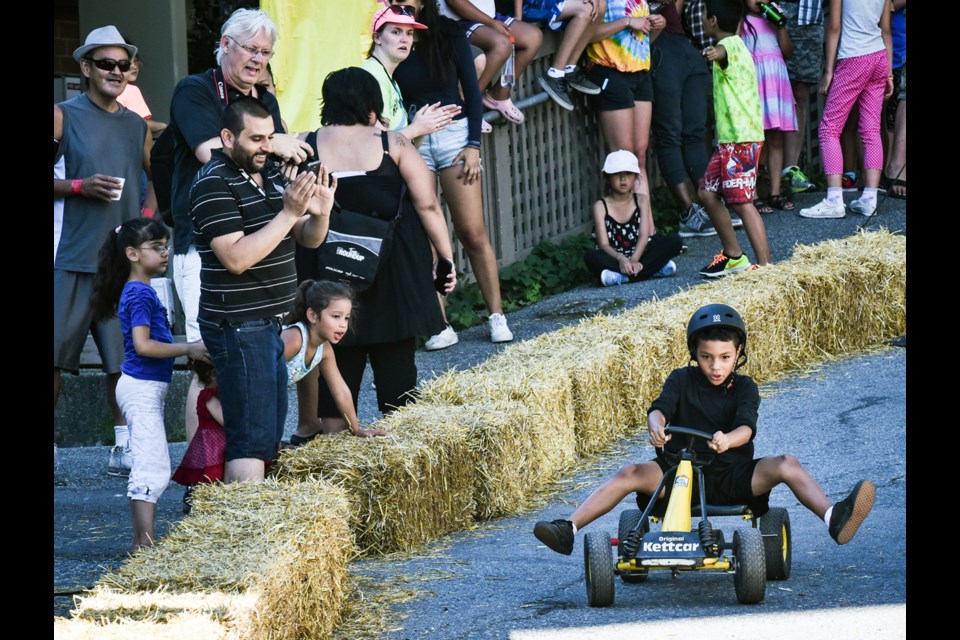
<point x="159" y="29"/>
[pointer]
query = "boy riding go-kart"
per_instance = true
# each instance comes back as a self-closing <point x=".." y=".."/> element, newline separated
<point x="723" y="404"/>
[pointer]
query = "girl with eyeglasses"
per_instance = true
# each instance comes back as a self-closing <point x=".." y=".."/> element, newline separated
<point x="131" y="255"/>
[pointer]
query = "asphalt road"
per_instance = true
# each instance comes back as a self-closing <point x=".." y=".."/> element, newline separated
<point x="91" y="517"/>
<point x="845" y="421"/>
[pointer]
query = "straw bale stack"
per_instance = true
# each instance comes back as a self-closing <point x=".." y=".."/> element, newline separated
<point x="286" y="545"/>
<point x="405" y="489"/>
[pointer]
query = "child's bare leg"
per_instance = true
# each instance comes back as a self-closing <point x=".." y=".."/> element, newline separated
<point x="774" y="148"/>
<point x="143" y="516"/>
<point x="308" y="396"/>
<point x="528" y="39"/>
<point x="642" y="477"/>
<point x="720" y="218"/>
<point x="496" y="50"/>
<point x="756" y="230"/>
<point x="786" y="469"/>
<point x="577" y="32"/>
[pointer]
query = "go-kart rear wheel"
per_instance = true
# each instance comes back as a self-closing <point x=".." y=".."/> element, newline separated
<point x="598" y="567"/>
<point x="629" y="520"/>
<point x="777" y="543"/>
<point x="750" y="579"/>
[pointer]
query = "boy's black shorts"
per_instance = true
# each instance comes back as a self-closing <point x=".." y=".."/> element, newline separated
<point x="727" y="485"/>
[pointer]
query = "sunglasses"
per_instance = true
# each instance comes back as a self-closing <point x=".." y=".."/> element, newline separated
<point x="109" y="64"/>
<point x="398" y="10"/>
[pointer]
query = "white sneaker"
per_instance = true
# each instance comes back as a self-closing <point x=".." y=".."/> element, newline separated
<point x="612" y="278"/>
<point x="446" y="338"/>
<point x="863" y="207"/>
<point x="499" y="331"/>
<point x="668" y="270"/>
<point x="120" y="462"/>
<point x="735" y="221"/>
<point x="824" y="209"/>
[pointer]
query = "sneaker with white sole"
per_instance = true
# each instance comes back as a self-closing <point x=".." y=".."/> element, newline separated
<point x="797" y="180"/>
<point x="499" y="331"/>
<point x="824" y="209"/>
<point x="863" y="206"/>
<point x="120" y="462"/>
<point x="723" y="265"/>
<point x="610" y="278"/>
<point x="578" y="80"/>
<point x="696" y="223"/>
<point x="446" y="338"/>
<point x="556" y="88"/>
<point x="668" y="270"/>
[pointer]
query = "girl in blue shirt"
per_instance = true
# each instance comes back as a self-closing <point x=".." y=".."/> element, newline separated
<point x="132" y="254"/>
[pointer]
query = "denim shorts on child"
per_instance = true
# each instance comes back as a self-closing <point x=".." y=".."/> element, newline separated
<point x="252" y="376"/>
<point x="546" y="12"/>
<point x="732" y="172"/>
<point x="470" y="26"/>
<point x="441" y="148"/>
<point x="619" y="89"/>
<point x="142" y="404"/>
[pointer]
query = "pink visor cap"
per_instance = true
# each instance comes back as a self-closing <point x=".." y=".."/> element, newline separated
<point x="394" y="14"/>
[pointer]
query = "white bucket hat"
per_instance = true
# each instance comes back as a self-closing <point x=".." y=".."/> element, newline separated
<point x="107" y="36"/>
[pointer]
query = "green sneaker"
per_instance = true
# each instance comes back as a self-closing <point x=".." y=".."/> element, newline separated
<point x="797" y="180"/>
<point x="722" y="265"/>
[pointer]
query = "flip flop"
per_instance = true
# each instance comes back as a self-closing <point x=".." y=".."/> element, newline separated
<point x="762" y="207"/>
<point x="897" y="182"/>
<point x="506" y="108"/>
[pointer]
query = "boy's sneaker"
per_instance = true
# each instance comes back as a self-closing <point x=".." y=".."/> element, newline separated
<point x="668" y="270"/>
<point x="849" y="181"/>
<point x="696" y="223"/>
<point x="499" y="331"/>
<point x="824" y="209"/>
<point x="610" y="278"/>
<point x="797" y="180"/>
<point x="578" y="80"/>
<point x="863" y="207"/>
<point x="849" y="513"/>
<point x="446" y="338"/>
<point x="556" y="88"/>
<point x="722" y="265"/>
<point x="558" y="535"/>
<point x="120" y="461"/>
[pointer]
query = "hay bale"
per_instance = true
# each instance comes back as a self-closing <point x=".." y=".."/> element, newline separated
<point x="405" y="489"/>
<point x="286" y="545"/>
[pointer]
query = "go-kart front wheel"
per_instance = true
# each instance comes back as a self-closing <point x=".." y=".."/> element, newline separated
<point x="750" y="579"/>
<point x="777" y="543"/>
<point x="598" y="567"/>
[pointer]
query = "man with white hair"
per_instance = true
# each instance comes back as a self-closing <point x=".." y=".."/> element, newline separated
<point x="99" y="151"/>
<point x="245" y="47"/>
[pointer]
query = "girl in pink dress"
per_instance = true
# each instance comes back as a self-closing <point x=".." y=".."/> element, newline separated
<point x="769" y="47"/>
<point x="204" y="457"/>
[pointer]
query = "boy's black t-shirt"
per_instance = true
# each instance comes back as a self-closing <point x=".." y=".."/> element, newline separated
<point x="689" y="400"/>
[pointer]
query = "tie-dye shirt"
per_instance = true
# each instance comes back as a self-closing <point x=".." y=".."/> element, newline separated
<point x="627" y="50"/>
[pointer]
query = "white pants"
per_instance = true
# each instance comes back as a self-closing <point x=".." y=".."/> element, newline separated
<point x="186" y="280"/>
<point x="142" y="404"/>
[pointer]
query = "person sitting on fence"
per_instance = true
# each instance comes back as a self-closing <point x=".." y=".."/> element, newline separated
<point x="623" y="237"/>
<point x="504" y="40"/>
<point x="576" y="19"/>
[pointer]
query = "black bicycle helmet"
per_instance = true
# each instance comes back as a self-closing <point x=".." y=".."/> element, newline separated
<point x="715" y="315"/>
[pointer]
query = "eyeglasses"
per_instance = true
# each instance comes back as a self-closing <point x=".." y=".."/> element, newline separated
<point x="109" y="64"/>
<point x="253" y="51"/>
<point x="163" y="251"/>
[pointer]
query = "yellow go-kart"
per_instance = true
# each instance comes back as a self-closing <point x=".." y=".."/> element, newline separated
<point x="755" y="555"/>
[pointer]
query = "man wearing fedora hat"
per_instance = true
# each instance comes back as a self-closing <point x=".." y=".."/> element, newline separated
<point x="99" y="150"/>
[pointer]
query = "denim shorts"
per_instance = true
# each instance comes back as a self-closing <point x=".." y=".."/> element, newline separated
<point x="252" y="376"/>
<point x="440" y="149"/>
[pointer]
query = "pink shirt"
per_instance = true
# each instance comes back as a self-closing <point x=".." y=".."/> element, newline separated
<point x="132" y="99"/>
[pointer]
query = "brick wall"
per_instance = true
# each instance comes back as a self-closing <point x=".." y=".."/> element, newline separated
<point x="66" y="38"/>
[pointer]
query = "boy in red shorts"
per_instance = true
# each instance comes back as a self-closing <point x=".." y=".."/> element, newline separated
<point x="732" y="171"/>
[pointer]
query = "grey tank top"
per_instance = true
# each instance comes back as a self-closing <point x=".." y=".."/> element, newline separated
<point x="96" y="141"/>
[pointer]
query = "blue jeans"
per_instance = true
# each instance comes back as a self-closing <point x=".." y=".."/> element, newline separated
<point x="252" y="376"/>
